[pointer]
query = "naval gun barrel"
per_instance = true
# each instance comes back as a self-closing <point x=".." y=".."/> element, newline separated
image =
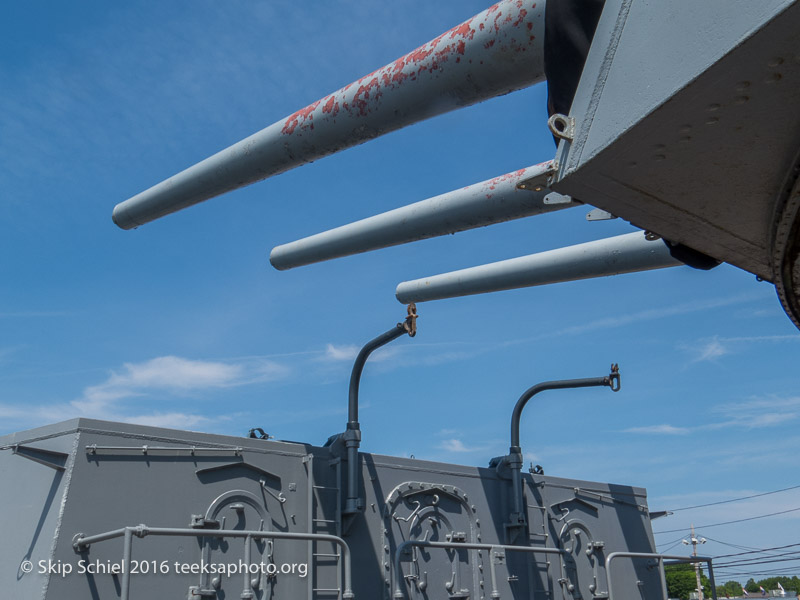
<point x="486" y="203"/>
<point x="629" y="253"/>
<point x="498" y="51"/>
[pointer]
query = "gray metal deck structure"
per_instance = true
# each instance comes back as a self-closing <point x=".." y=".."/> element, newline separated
<point x="429" y="530"/>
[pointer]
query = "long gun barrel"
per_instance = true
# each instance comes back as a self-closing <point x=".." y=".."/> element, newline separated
<point x="485" y="203"/>
<point x="496" y="52"/>
<point x="628" y="253"/>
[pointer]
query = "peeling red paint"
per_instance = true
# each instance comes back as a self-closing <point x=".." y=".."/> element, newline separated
<point x="361" y="103"/>
<point x="331" y="106"/>
<point x="431" y="58"/>
<point x="493" y="183"/>
<point x="496" y="19"/>
<point x="464" y="30"/>
<point x="301" y="115"/>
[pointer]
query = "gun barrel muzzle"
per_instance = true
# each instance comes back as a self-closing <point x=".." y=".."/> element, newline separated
<point x="496" y="52"/>
<point x="486" y="203"/>
<point x="629" y="253"/>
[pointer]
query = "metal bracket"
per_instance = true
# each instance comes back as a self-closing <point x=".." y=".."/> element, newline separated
<point x="200" y="522"/>
<point x="48" y="458"/>
<point x="258" y="433"/>
<point x="598" y="214"/>
<point x="410" y="324"/>
<point x="559" y="505"/>
<point x="456" y="537"/>
<point x="562" y="126"/>
<point x="242" y="464"/>
<point x="540" y="181"/>
<point x="196" y="591"/>
<point x="556" y="198"/>
<point x="279" y="496"/>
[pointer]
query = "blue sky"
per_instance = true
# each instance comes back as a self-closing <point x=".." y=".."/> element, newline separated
<point x="183" y="323"/>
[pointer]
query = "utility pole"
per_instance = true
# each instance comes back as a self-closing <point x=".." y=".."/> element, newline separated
<point x="694" y="541"/>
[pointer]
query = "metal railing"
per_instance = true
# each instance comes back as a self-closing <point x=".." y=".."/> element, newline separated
<point x="492" y="548"/>
<point x="82" y="543"/>
<point x="660" y="558"/>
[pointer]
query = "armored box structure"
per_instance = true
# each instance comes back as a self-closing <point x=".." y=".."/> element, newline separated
<point x="106" y="510"/>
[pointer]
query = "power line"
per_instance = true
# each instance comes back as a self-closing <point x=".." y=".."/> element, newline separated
<point x="794" y="487"/>
<point x="665" y="550"/>
<point x="740" y="547"/>
<point x="758" y="561"/>
<point x="788" y="571"/>
<point x="783" y="512"/>
<point x="680" y="539"/>
<point x="765" y="557"/>
<point x="753" y="551"/>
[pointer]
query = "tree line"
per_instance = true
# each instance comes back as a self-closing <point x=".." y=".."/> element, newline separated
<point x="682" y="581"/>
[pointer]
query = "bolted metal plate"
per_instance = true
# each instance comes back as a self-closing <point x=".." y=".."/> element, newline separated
<point x="690" y="128"/>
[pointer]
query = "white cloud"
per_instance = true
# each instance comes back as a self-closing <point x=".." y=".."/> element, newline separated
<point x="173" y="420"/>
<point x="454" y="445"/>
<point x="758" y="412"/>
<point x="176" y="374"/>
<point x="531" y="458"/>
<point x="656" y="313"/>
<point x="750" y="414"/>
<point x="164" y="375"/>
<point x="711" y="350"/>
<point x="53" y="413"/>
<point x="659" y="429"/>
<point x="348" y="352"/>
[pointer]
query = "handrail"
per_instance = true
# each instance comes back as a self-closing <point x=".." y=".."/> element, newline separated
<point x="660" y="558"/>
<point x="82" y="543"/>
<point x="495" y="594"/>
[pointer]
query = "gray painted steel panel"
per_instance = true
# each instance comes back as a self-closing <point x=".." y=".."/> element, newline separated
<point x="686" y="122"/>
<point x="113" y="481"/>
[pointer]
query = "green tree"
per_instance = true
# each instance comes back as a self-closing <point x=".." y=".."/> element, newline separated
<point x="751" y="585"/>
<point x="729" y="588"/>
<point x="771" y="583"/>
<point x="681" y="581"/>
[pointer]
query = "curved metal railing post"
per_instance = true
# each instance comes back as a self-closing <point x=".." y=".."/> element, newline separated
<point x="352" y="435"/>
<point x="514" y="457"/>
